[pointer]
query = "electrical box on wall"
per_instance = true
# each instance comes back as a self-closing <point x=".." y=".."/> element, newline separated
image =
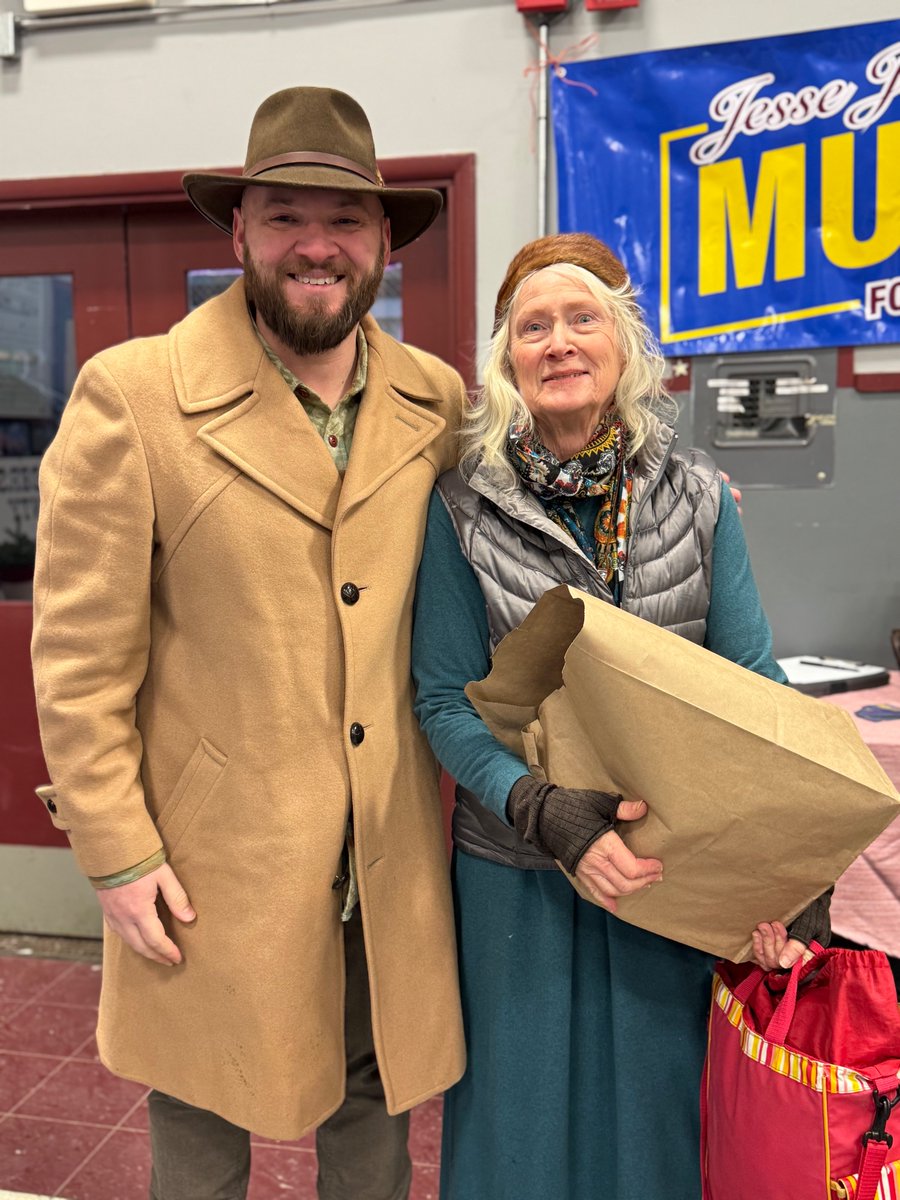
<point x="547" y="6"/>
<point x="46" y="8"/>
<point x="767" y="419"/>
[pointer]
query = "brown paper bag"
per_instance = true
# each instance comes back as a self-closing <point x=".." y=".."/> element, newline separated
<point x="759" y="797"/>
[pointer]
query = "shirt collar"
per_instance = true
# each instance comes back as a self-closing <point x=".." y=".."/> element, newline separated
<point x="300" y="389"/>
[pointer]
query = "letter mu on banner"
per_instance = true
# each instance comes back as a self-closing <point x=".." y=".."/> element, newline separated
<point x="751" y="188"/>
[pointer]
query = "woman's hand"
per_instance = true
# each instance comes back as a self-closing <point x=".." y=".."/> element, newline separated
<point x="608" y="869"/>
<point x="773" y="950"/>
<point x="735" y="491"/>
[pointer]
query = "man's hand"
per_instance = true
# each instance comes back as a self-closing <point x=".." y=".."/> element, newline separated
<point x="608" y="869"/>
<point x="130" y="912"/>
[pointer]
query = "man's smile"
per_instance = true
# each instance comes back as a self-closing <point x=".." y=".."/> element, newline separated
<point x="315" y="280"/>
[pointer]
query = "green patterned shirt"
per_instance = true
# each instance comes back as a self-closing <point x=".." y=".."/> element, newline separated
<point x="335" y="425"/>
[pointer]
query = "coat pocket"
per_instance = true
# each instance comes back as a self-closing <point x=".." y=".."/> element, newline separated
<point x="190" y="792"/>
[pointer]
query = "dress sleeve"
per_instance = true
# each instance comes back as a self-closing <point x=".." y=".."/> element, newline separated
<point x="736" y="626"/>
<point x="450" y="648"/>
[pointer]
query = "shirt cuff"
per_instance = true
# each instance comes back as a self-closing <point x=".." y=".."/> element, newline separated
<point x="131" y="874"/>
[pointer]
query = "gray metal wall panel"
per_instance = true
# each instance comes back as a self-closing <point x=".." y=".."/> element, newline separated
<point x="827" y="560"/>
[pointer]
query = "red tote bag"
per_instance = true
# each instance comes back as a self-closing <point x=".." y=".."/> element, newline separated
<point x="801" y="1079"/>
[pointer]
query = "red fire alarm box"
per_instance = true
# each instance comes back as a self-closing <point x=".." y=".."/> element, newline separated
<point x="547" y="6"/>
<point x="596" y="5"/>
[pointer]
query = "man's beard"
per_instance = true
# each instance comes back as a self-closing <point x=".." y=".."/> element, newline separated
<point x="315" y="329"/>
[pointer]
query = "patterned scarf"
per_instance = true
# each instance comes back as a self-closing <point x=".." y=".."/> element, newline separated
<point x="600" y="469"/>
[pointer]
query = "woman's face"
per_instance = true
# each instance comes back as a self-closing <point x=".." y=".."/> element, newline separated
<point x="563" y="353"/>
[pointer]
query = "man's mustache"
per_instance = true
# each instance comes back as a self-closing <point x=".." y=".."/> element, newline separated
<point x="304" y="266"/>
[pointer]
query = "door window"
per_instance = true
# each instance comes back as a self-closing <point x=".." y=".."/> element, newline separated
<point x="37" y="369"/>
<point x="205" y="283"/>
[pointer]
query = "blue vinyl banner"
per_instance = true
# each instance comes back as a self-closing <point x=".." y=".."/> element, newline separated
<point x="752" y="189"/>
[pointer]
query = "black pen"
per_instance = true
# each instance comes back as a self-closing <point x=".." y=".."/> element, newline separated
<point x="811" y="662"/>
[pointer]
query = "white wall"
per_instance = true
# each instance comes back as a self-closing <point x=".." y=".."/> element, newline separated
<point x="435" y="76"/>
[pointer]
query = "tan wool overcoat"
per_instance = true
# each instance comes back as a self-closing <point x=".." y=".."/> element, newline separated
<point x="198" y="669"/>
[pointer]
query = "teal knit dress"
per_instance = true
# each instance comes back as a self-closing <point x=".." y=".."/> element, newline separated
<point x="585" y="1035"/>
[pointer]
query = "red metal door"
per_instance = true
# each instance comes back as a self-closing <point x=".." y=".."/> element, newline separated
<point x="122" y="253"/>
<point x="84" y="256"/>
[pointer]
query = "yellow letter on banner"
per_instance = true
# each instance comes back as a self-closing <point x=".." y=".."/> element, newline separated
<point x="838" y="216"/>
<point x="724" y="207"/>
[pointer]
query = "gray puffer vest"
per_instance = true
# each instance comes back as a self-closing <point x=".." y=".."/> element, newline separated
<point x="517" y="553"/>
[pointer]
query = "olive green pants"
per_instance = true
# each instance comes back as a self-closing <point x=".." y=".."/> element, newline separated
<point x="361" y="1150"/>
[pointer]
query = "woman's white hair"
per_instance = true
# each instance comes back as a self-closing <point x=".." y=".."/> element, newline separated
<point x="639" y="394"/>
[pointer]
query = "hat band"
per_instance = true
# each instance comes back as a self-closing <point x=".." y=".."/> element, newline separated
<point x="314" y="160"/>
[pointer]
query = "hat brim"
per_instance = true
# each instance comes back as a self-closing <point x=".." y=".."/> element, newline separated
<point x="410" y="210"/>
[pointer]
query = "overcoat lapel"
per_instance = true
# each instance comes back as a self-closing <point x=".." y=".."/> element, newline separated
<point x="270" y="438"/>
<point x="393" y="425"/>
<point x="267" y="435"/>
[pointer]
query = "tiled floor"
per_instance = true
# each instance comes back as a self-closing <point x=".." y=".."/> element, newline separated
<point x="70" y="1129"/>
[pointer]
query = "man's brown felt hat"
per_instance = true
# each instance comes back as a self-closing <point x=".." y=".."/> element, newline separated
<point x="310" y="137"/>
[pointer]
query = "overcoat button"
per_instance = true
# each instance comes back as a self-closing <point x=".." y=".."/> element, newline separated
<point x="357" y="733"/>
<point x="349" y="593"/>
<point x="51" y="806"/>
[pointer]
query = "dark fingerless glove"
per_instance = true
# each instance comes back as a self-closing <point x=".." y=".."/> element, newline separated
<point x="560" y="821"/>
<point x="814" y="923"/>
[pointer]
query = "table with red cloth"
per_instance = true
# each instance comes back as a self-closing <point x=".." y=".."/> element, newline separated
<point x="866" y="904"/>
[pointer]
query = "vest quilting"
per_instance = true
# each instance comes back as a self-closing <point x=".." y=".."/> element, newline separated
<point x="518" y="552"/>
